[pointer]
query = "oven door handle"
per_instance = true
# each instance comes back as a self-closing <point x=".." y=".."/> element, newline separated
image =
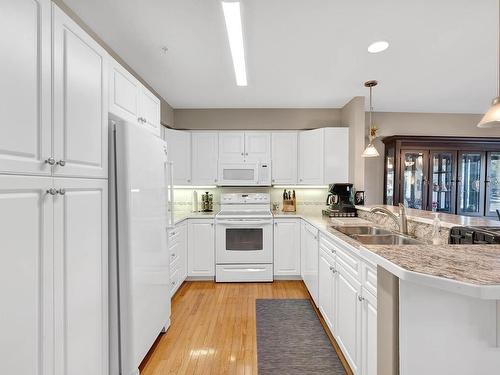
<point x="244" y="222"/>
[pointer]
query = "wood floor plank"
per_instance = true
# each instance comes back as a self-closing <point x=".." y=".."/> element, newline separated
<point x="213" y="328"/>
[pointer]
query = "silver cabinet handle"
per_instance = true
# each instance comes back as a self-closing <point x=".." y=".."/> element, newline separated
<point x="246" y="153"/>
<point x="300" y="179"/>
<point x="173" y="282"/>
<point x="276" y="224"/>
<point x="215" y="180"/>
<point x="61" y="191"/>
<point x="61" y="162"/>
<point x="50" y="161"/>
<point x="173" y="255"/>
<point x="242" y="153"/>
<point x="333" y="251"/>
<point x="51" y="191"/>
<point x="188" y="180"/>
<point x="331" y="268"/>
<point x="360" y="299"/>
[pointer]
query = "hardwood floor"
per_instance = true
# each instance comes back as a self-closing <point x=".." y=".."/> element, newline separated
<point x="212" y="328"/>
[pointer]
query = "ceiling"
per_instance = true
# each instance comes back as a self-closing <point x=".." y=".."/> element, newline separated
<point x="308" y="53"/>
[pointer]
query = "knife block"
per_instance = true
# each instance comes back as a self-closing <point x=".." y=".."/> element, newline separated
<point x="289" y="205"/>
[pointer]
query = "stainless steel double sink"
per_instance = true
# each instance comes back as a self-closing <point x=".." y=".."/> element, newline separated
<point x="370" y="235"/>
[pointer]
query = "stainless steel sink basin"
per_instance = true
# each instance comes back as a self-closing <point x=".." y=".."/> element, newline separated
<point x="352" y="230"/>
<point x="385" y="239"/>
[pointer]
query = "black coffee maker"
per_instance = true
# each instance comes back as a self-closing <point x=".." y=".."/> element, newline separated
<point x="340" y="201"/>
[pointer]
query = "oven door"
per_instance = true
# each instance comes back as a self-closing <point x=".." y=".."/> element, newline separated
<point x="244" y="241"/>
<point x="238" y="174"/>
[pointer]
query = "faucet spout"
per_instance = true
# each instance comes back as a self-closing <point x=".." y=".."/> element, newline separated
<point x="400" y="220"/>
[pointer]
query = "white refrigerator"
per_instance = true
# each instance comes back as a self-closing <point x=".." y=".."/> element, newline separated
<point x="141" y="196"/>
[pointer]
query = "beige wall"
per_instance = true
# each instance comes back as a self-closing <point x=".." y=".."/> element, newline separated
<point x="256" y="118"/>
<point x="395" y="123"/>
<point x="353" y="115"/>
<point x="167" y="115"/>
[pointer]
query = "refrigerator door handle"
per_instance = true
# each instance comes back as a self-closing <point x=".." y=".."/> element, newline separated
<point x="170" y="193"/>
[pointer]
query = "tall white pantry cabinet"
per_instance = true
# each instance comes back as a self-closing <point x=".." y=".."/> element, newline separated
<point x="53" y="194"/>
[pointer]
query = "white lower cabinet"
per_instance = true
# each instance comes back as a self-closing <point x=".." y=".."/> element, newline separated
<point x="201" y="248"/>
<point x="54" y="256"/>
<point x="177" y="244"/>
<point x="369" y="333"/>
<point x="287" y="247"/>
<point x="309" y="258"/>
<point x="327" y="289"/>
<point x="348" y="327"/>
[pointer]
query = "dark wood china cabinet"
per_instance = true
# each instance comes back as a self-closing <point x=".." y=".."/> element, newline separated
<point x="457" y="175"/>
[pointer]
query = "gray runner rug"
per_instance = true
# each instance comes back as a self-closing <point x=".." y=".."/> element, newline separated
<point x="291" y="340"/>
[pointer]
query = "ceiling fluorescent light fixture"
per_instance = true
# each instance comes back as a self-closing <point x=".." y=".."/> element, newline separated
<point x="232" y="15"/>
<point x="379" y="46"/>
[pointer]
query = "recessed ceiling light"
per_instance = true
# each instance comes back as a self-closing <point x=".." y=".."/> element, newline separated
<point x="378" y="46"/>
<point x="234" y="30"/>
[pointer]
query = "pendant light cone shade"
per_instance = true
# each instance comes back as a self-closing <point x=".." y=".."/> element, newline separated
<point x="370" y="151"/>
<point x="491" y="119"/>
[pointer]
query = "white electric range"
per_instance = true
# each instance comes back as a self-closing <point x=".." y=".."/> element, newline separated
<point x="244" y="238"/>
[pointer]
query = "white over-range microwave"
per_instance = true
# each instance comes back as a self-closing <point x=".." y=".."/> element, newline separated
<point x="244" y="174"/>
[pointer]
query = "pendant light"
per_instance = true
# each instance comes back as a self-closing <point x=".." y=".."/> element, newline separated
<point x="370" y="150"/>
<point x="491" y="118"/>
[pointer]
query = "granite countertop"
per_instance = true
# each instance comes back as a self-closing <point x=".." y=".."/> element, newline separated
<point x="473" y="270"/>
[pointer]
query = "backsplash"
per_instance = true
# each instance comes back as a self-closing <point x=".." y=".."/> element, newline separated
<point x="305" y="196"/>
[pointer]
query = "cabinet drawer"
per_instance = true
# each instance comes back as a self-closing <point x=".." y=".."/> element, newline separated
<point x="327" y="254"/>
<point x="174" y="236"/>
<point x="174" y="252"/>
<point x="349" y="261"/>
<point x="327" y="245"/>
<point x="369" y="278"/>
<point x="174" y="282"/>
<point x="175" y="265"/>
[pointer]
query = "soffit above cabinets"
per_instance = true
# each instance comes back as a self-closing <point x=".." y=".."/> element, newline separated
<point x="308" y="53"/>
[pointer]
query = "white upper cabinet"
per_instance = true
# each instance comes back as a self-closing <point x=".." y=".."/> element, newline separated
<point x="336" y="155"/>
<point x="284" y="157"/>
<point x="80" y="116"/>
<point x="232" y="146"/>
<point x="25" y="133"/>
<point x="149" y="107"/>
<point x="179" y="152"/>
<point x="287" y="247"/>
<point x="205" y="152"/>
<point x="123" y="92"/>
<point x="311" y="153"/>
<point x="258" y="146"/>
<point x="323" y="156"/>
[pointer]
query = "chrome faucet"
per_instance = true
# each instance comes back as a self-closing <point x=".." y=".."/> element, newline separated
<point x="400" y="220"/>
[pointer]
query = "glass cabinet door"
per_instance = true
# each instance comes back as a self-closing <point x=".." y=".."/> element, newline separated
<point x="442" y="190"/>
<point x="470" y="184"/>
<point x="414" y="180"/>
<point x="389" y="176"/>
<point x="493" y="184"/>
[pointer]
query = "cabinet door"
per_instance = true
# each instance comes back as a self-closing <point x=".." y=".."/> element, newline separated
<point x="25" y="133"/>
<point x="369" y="334"/>
<point x="286" y="247"/>
<point x="149" y="106"/>
<point x="231" y="146"/>
<point x="81" y="277"/>
<point x="336" y="155"/>
<point x="284" y="157"/>
<point x="348" y="314"/>
<point x="309" y="261"/>
<point x="124" y="92"/>
<point x="183" y="240"/>
<point x="179" y="152"/>
<point x="442" y="184"/>
<point x="390" y="190"/>
<point x="326" y="289"/>
<point x="80" y="85"/>
<point x="493" y="184"/>
<point x="205" y="152"/>
<point x="414" y="179"/>
<point x="201" y="248"/>
<point x="26" y="323"/>
<point x="258" y="146"/>
<point x="470" y="183"/>
<point x="311" y="157"/>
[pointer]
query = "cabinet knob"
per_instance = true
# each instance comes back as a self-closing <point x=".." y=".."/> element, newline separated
<point x="242" y="154"/>
<point x="62" y="191"/>
<point x="50" y="161"/>
<point x="360" y="299"/>
<point x="246" y="153"/>
<point x="51" y="191"/>
<point x="215" y="180"/>
<point x="333" y="251"/>
<point x="188" y="180"/>
<point x="61" y="162"/>
<point x="173" y="255"/>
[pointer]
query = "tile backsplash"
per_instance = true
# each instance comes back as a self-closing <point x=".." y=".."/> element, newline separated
<point x="183" y="197"/>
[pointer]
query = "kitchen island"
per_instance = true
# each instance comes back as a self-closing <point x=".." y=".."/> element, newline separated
<point x="438" y="309"/>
